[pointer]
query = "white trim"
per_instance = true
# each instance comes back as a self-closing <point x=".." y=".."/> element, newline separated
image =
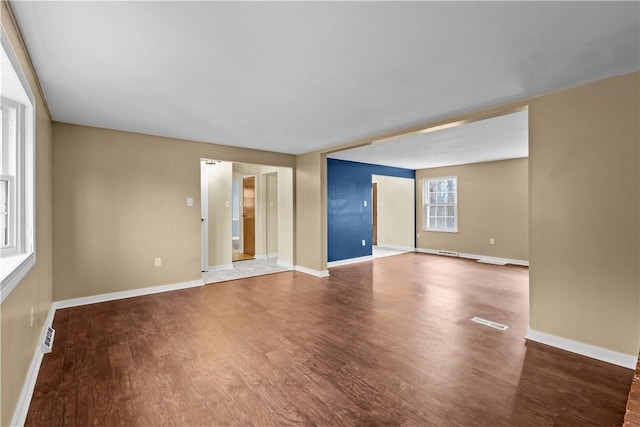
<point x="349" y="261"/>
<point x="272" y="255"/>
<point x="397" y="247"/>
<point x="426" y="204"/>
<point x="15" y="272"/>
<point x="317" y="273"/>
<point x="492" y="260"/>
<point x="204" y="216"/>
<point x="427" y="251"/>
<point x="221" y="267"/>
<point x="24" y="400"/>
<point x="482" y="258"/>
<point x="621" y="359"/>
<point x="74" y="302"/>
<point x="25" y="179"/>
<point x="262" y="256"/>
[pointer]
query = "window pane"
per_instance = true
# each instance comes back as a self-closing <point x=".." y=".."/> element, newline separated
<point x="4" y="213"/>
<point x="441" y="211"/>
<point x="451" y="197"/>
<point x="433" y="198"/>
<point x="432" y="210"/>
<point x="433" y="186"/>
<point x="440" y="223"/>
<point x="450" y="211"/>
<point x="450" y="223"/>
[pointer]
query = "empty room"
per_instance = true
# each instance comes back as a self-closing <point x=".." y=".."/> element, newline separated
<point x="443" y="199"/>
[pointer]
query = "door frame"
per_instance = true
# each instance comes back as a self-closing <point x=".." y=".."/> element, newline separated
<point x="204" y="216"/>
<point x="255" y="210"/>
<point x="374" y="213"/>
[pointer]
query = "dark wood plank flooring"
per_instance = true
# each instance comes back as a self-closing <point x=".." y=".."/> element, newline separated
<point x="386" y="342"/>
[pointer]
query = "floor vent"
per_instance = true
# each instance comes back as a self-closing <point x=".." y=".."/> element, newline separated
<point x="47" y="343"/>
<point x="447" y="253"/>
<point x="489" y="323"/>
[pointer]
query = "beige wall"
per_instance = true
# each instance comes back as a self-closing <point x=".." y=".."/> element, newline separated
<point x="396" y="212"/>
<point x="492" y="203"/>
<point x="220" y="233"/>
<point x="584" y="151"/>
<point x="311" y="211"/>
<point x="584" y="232"/>
<point x="285" y="210"/>
<point x="121" y="201"/>
<point x="19" y="340"/>
<point x="271" y="201"/>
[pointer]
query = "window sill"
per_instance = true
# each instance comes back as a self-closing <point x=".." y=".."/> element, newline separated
<point x="442" y="231"/>
<point x="12" y="271"/>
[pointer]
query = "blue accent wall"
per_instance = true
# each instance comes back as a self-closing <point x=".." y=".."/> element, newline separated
<point x="348" y="220"/>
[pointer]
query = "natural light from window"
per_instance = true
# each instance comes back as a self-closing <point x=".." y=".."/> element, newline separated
<point x="17" y="214"/>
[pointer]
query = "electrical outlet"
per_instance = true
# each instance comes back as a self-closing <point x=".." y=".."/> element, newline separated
<point x="492" y="241"/>
<point x="365" y="203"/>
<point x="31" y="321"/>
<point x="363" y="243"/>
<point x="189" y="201"/>
<point x="157" y="262"/>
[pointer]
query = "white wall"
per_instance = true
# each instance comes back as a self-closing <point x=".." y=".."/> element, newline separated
<point x="220" y="242"/>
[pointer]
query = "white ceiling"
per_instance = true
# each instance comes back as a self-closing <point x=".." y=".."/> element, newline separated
<point x="498" y="138"/>
<point x="295" y="77"/>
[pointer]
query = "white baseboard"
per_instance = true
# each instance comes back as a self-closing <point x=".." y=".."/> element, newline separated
<point x="24" y="400"/>
<point x="261" y="256"/>
<point x="20" y="414"/>
<point x="74" y="302"/>
<point x="482" y="258"/>
<point x="317" y="273"/>
<point x="220" y="267"/>
<point x="396" y="247"/>
<point x="272" y="255"/>
<point x="598" y="353"/>
<point x="349" y="261"/>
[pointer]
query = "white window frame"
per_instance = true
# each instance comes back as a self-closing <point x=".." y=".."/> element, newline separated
<point x="20" y="256"/>
<point x="426" y="226"/>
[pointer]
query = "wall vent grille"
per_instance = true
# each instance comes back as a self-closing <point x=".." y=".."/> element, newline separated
<point x="47" y="343"/>
<point x="448" y="253"/>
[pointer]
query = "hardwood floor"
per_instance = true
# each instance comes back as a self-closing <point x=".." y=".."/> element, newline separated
<point x="385" y="342"/>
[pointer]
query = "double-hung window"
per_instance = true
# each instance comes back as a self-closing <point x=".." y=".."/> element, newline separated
<point x="17" y="167"/>
<point x="440" y="203"/>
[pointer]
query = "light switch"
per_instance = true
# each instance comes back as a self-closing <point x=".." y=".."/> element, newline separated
<point x="365" y="203"/>
<point x="189" y="201"/>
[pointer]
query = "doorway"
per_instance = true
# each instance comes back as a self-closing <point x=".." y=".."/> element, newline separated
<point x="248" y="219"/>
<point x="374" y="213"/>
<point x="248" y="215"/>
